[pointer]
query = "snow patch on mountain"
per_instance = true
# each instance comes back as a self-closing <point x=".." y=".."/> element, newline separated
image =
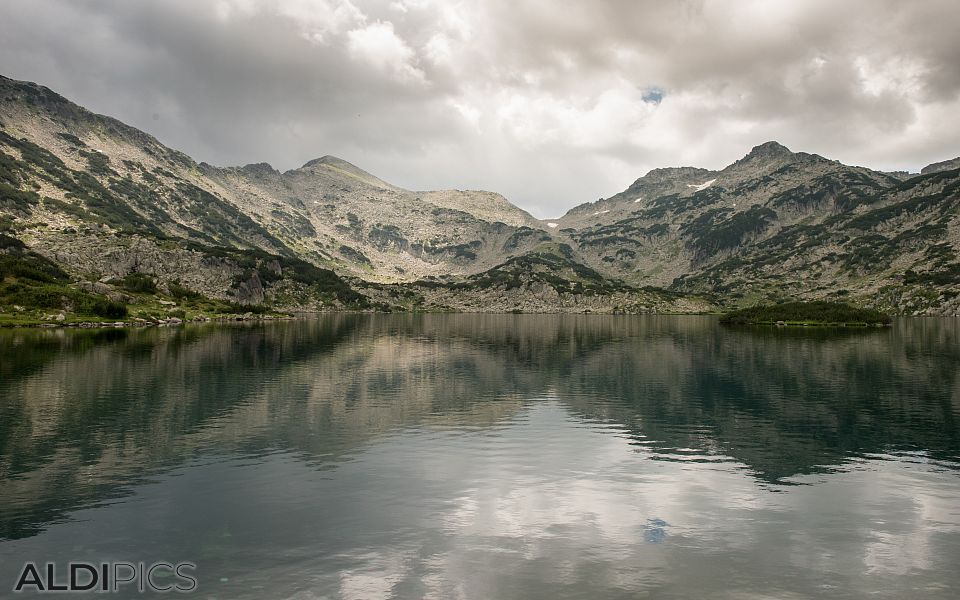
<point x="702" y="186"/>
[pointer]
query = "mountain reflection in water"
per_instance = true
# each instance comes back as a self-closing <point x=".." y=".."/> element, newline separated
<point x="490" y="456"/>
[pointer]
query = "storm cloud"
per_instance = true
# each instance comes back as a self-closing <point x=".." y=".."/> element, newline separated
<point x="550" y="103"/>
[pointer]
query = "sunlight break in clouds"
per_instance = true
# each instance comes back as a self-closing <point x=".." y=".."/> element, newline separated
<point x="378" y="45"/>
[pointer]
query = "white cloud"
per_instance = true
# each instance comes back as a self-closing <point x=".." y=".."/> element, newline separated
<point x="320" y="18"/>
<point x="438" y="50"/>
<point x="471" y="114"/>
<point x="378" y="45"/>
<point x="612" y="117"/>
<point x="317" y="20"/>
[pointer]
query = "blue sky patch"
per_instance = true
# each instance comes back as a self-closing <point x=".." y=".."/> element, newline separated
<point x="653" y="95"/>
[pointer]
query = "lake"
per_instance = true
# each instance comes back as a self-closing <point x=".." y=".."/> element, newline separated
<point x="490" y="456"/>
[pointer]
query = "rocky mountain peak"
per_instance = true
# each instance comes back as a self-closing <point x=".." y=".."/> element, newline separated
<point x="763" y="159"/>
<point x="32" y="92"/>
<point x="768" y="150"/>
<point x="328" y="160"/>
<point x="342" y="167"/>
<point x="668" y="174"/>
<point x="22" y="98"/>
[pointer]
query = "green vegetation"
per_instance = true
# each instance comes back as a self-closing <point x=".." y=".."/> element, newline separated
<point x="294" y="222"/>
<point x="98" y="163"/>
<point x="34" y="290"/>
<point x="88" y="198"/>
<point x="385" y="237"/>
<point x="16" y="262"/>
<point x="941" y="202"/>
<point x="181" y="292"/>
<point x="191" y="306"/>
<point x="551" y="264"/>
<point x="72" y="139"/>
<point x="354" y="255"/>
<point x="524" y="235"/>
<point x="713" y="231"/>
<point x="623" y="238"/>
<point x="139" y="282"/>
<point x="60" y="297"/>
<point x="458" y="252"/>
<point x="16" y="200"/>
<point x="323" y="284"/>
<point x="806" y="313"/>
<point x="12" y="198"/>
<point x="30" y="281"/>
<point x="221" y="220"/>
<point x="845" y="189"/>
<point x="946" y="275"/>
<point x="676" y="204"/>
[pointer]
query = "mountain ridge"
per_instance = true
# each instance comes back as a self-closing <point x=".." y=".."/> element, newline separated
<point x="97" y="197"/>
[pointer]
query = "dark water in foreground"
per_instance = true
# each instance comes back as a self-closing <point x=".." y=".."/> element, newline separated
<point x="463" y="456"/>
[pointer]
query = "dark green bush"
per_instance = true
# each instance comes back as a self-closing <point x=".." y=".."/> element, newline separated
<point x="99" y="163"/>
<point x="822" y="312"/>
<point x="103" y="307"/>
<point x="181" y="292"/>
<point x="140" y="283"/>
<point x="54" y="296"/>
<point x="72" y="139"/>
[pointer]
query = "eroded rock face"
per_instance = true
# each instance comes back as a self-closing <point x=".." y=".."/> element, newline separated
<point x="375" y="230"/>
<point x="112" y="257"/>
<point x="250" y="290"/>
<point x="946" y="165"/>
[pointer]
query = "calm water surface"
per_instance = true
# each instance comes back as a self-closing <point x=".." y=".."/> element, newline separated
<point x="483" y="457"/>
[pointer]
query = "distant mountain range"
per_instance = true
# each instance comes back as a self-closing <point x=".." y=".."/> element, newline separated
<point x="90" y="204"/>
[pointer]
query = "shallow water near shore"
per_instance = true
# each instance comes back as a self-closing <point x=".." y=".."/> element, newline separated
<point x="490" y="456"/>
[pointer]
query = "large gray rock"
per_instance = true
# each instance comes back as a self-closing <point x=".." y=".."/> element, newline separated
<point x="946" y="165"/>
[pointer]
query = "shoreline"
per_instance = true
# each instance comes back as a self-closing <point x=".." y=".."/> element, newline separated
<point x="807" y="324"/>
<point x="140" y="323"/>
<point x="175" y="322"/>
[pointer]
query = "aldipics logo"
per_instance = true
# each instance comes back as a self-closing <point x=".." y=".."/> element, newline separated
<point x="108" y="577"/>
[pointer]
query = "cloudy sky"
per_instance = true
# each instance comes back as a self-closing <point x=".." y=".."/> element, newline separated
<point x="550" y="103"/>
